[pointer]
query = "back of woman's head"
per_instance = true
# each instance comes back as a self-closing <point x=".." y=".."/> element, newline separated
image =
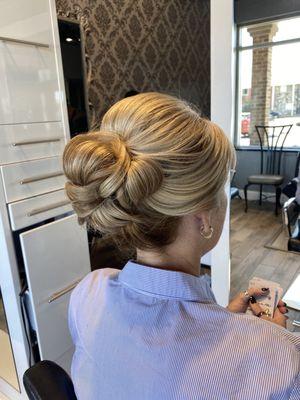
<point x="153" y="160"/>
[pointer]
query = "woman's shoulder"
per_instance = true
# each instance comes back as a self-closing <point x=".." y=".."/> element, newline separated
<point x="91" y="284"/>
<point x="267" y="333"/>
<point x="97" y="276"/>
<point x="85" y="296"/>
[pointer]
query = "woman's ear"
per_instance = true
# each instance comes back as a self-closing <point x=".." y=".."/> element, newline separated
<point x="203" y="220"/>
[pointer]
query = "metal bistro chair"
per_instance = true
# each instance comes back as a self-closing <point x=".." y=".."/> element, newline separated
<point x="269" y="168"/>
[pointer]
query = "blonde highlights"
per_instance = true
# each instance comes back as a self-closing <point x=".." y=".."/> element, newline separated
<point x="153" y="160"/>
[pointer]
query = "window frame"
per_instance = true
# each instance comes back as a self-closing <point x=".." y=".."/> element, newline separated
<point x="237" y="100"/>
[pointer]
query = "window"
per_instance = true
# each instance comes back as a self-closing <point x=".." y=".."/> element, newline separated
<point x="268" y="80"/>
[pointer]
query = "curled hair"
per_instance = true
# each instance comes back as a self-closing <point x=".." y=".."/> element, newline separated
<point x="153" y="160"/>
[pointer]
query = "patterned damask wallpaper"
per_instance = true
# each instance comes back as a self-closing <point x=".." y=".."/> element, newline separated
<point x="143" y="45"/>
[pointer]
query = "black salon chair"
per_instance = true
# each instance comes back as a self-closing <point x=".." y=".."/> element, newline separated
<point x="48" y="381"/>
<point x="291" y="219"/>
<point x="271" y="140"/>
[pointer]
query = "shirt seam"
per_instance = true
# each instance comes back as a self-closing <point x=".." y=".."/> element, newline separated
<point x="151" y="294"/>
<point x="78" y="332"/>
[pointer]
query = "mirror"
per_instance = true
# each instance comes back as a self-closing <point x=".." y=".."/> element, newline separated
<point x="74" y="75"/>
<point x="7" y="363"/>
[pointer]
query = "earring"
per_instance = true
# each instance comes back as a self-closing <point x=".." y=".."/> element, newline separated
<point x="206" y="235"/>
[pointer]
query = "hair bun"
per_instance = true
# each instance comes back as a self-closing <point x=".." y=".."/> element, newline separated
<point x="84" y="199"/>
<point x="105" y="179"/>
<point x="144" y="177"/>
<point x="153" y="161"/>
<point x="95" y="165"/>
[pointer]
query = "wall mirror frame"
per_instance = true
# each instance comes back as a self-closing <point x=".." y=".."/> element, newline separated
<point x="78" y="16"/>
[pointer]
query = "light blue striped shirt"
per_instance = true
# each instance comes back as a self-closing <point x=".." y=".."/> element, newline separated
<point x="150" y="334"/>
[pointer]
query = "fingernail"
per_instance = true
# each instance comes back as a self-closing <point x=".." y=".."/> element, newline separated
<point x="264" y="289"/>
<point x="252" y="299"/>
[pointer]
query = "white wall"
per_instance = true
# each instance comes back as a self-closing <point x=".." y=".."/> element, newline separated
<point x="222" y="106"/>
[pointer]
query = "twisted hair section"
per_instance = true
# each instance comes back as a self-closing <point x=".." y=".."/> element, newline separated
<point x="153" y="160"/>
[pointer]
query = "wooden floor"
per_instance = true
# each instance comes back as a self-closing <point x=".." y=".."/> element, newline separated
<point x="3" y="325"/>
<point x="249" y="233"/>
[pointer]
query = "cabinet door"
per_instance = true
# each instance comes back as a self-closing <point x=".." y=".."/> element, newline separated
<point x="38" y="208"/>
<point x="32" y="178"/>
<point x="25" y="20"/>
<point x="56" y="257"/>
<point x="23" y="142"/>
<point x="29" y="84"/>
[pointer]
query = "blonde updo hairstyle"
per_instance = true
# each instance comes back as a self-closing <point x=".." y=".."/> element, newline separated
<point x="153" y="160"/>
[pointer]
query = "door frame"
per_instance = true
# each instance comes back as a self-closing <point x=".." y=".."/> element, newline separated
<point x="222" y="44"/>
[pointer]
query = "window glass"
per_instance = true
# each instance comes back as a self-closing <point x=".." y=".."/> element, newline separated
<point x="269" y="83"/>
<point x="287" y="29"/>
<point x="245" y="37"/>
<point x="283" y="30"/>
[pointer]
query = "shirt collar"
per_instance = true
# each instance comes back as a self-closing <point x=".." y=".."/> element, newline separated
<point x="166" y="283"/>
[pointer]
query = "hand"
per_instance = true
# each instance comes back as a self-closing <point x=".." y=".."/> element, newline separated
<point x="279" y="318"/>
<point x="282" y="307"/>
<point x="240" y="302"/>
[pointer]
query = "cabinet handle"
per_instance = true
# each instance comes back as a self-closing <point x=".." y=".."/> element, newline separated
<point x="36" y="142"/>
<point x="28" y="42"/>
<point x="47" y="208"/>
<point x="40" y="178"/>
<point x="63" y="291"/>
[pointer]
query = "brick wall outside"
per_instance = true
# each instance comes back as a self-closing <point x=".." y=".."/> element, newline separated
<point x="261" y="78"/>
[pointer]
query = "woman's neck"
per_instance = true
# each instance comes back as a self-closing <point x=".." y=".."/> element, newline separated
<point x="184" y="254"/>
<point x="171" y="259"/>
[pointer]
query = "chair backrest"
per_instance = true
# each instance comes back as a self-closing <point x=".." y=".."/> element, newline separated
<point x="271" y="140"/>
<point x="47" y="381"/>
<point x="297" y="169"/>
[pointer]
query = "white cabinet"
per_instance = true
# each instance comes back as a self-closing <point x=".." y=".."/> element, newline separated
<point x="32" y="178"/>
<point x="30" y="22"/>
<point x="33" y="133"/>
<point x="56" y="257"/>
<point x="29" y="84"/>
<point x="24" y="142"/>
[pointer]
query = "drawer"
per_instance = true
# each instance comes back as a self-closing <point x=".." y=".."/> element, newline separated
<point x="37" y="209"/>
<point x="56" y="258"/>
<point x="32" y="178"/>
<point x="29" y="84"/>
<point x="26" y="20"/>
<point x="25" y="142"/>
